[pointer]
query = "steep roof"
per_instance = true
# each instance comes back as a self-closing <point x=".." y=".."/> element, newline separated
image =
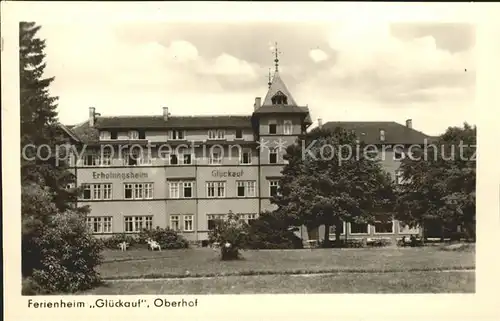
<point x="277" y="85"/>
<point x="369" y="132"/>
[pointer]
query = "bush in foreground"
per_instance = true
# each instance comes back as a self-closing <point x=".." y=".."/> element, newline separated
<point x="231" y="234"/>
<point x="113" y="241"/>
<point x="166" y="237"/>
<point x="70" y="255"/>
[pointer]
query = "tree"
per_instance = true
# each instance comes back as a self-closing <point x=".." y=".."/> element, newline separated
<point x="270" y="231"/>
<point x="39" y="124"/>
<point x="331" y="180"/>
<point x="440" y="182"/>
<point x="58" y="252"/>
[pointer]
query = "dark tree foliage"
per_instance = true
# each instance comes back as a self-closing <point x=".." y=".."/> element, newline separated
<point x="331" y="178"/>
<point x="440" y="183"/>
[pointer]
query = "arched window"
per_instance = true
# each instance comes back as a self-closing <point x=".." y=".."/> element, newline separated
<point x="279" y="99"/>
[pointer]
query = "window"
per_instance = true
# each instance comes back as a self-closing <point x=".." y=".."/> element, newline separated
<point x="216" y="189"/>
<point x="114" y="135"/>
<point x="273" y="187"/>
<point x="384" y="227"/>
<point x="279" y="99"/>
<point x="342" y="231"/>
<point x="175" y="222"/>
<point x="273" y="155"/>
<point x="138" y="191"/>
<point x="174" y="189"/>
<point x="97" y="191"/>
<point x="215" y="158"/>
<point x="144" y="158"/>
<point x="106" y="158"/>
<point x="216" y="134"/>
<point x="188" y="223"/>
<point x="246" y="156"/>
<point x="187" y="189"/>
<point x="130" y="159"/>
<point x="90" y="159"/>
<point x="398" y="154"/>
<point x="287" y="127"/>
<point x="358" y="228"/>
<point x="272" y="128"/>
<point x="87" y="192"/>
<point x="133" y="134"/>
<point x="248" y="218"/>
<point x="99" y="224"/>
<point x="245" y="188"/>
<point x="142" y="134"/>
<point x="176" y="135"/>
<point x="148" y="190"/>
<point x="239" y="134"/>
<point x="173" y="159"/>
<point x="106" y="191"/>
<point x="135" y="224"/>
<point x="382" y="135"/>
<point x="181" y="189"/>
<point x="212" y="220"/>
<point x="104" y="135"/>
<point x="187" y="159"/>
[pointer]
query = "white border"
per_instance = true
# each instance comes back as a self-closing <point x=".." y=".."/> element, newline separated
<point x="479" y="306"/>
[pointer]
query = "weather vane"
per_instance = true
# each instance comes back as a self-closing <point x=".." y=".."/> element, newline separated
<point x="276" y="53"/>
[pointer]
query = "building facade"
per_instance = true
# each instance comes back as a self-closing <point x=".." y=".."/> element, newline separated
<point x="184" y="172"/>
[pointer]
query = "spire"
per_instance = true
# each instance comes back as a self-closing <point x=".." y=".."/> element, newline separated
<point x="269" y="77"/>
<point x="276" y="60"/>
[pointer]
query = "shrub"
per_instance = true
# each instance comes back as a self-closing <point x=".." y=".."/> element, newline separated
<point x="30" y="287"/>
<point x="113" y="241"/>
<point x="70" y="256"/>
<point x="271" y="232"/>
<point x="166" y="237"/>
<point x="231" y="234"/>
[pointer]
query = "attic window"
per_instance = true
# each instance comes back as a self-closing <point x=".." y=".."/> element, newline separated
<point x="279" y="99"/>
<point x="382" y="135"/>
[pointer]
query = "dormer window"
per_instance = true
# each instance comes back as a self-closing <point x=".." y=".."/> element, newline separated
<point x="176" y="134"/>
<point x="382" y="135"/>
<point x="279" y="99"/>
<point x="216" y="134"/>
<point x="104" y="135"/>
<point x="133" y="134"/>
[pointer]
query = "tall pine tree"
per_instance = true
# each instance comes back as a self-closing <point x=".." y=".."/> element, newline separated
<point x="39" y="124"/>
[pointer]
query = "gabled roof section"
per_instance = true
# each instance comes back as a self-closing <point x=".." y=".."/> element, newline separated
<point x="369" y="132"/>
<point x="277" y="85"/>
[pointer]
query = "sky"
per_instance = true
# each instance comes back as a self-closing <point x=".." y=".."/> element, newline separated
<point x="343" y="71"/>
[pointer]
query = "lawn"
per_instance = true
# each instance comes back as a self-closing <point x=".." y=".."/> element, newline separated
<point x="205" y="262"/>
<point x="400" y="282"/>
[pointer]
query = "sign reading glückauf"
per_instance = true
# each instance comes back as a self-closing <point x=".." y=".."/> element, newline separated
<point x="226" y="173"/>
<point x="118" y="175"/>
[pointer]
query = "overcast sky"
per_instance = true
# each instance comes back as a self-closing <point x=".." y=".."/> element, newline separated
<point x="342" y="71"/>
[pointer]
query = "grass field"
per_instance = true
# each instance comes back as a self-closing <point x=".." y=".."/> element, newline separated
<point x="401" y="282"/>
<point x="205" y="262"/>
<point x="200" y="271"/>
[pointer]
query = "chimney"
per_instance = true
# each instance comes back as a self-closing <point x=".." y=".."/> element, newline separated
<point x="408" y="123"/>
<point x="165" y="113"/>
<point x="257" y="103"/>
<point x="320" y="122"/>
<point x="91" y="117"/>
